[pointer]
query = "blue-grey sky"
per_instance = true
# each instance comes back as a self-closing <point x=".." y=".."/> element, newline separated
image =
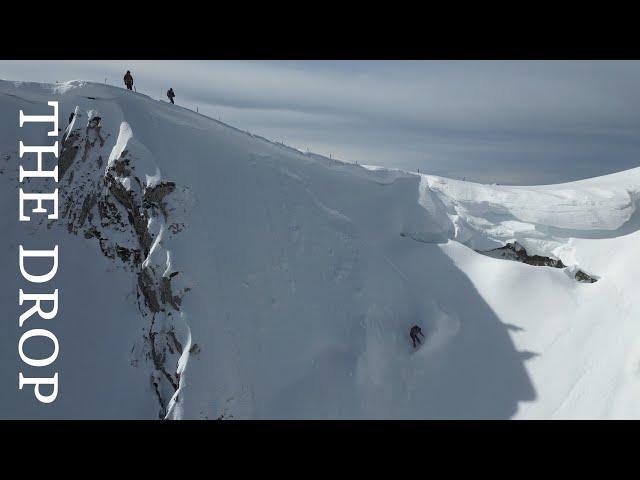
<point x="518" y="122"/>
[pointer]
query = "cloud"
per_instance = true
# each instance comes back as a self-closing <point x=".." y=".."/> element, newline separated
<point x="506" y="122"/>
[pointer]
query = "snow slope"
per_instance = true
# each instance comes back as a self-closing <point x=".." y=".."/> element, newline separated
<point x="209" y="273"/>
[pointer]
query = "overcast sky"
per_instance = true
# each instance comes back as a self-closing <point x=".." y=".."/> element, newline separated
<point x="506" y="122"/>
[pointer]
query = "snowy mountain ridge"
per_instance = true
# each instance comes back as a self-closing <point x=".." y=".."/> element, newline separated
<point x="233" y="277"/>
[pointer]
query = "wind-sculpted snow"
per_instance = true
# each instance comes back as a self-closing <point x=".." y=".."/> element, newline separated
<point x="577" y="206"/>
<point x="213" y="274"/>
<point x="540" y="217"/>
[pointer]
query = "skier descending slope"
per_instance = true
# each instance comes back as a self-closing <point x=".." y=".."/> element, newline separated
<point x="170" y="95"/>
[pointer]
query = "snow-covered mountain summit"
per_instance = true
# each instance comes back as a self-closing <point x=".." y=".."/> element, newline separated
<point x="209" y="273"/>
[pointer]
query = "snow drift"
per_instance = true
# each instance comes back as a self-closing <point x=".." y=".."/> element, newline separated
<point x="209" y="273"/>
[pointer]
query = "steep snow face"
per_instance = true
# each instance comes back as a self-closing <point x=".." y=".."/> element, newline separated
<point x="209" y="273"/>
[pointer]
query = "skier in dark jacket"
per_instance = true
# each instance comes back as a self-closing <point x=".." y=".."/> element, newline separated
<point x="170" y="94"/>
<point x="128" y="80"/>
<point x="413" y="333"/>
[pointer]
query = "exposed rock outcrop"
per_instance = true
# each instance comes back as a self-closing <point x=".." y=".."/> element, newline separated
<point x="112" y="206"/>
<point x="584" y="277"/>
<point x="516" y="252"/>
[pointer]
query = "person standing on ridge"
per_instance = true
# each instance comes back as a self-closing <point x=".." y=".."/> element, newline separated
<point x="170" y="94"/>
<point x="128" y="80"/>
<point x="413" y="333"/>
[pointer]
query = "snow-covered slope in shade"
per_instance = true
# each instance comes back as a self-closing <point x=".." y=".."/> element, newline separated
<point x="209" y="273"/>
